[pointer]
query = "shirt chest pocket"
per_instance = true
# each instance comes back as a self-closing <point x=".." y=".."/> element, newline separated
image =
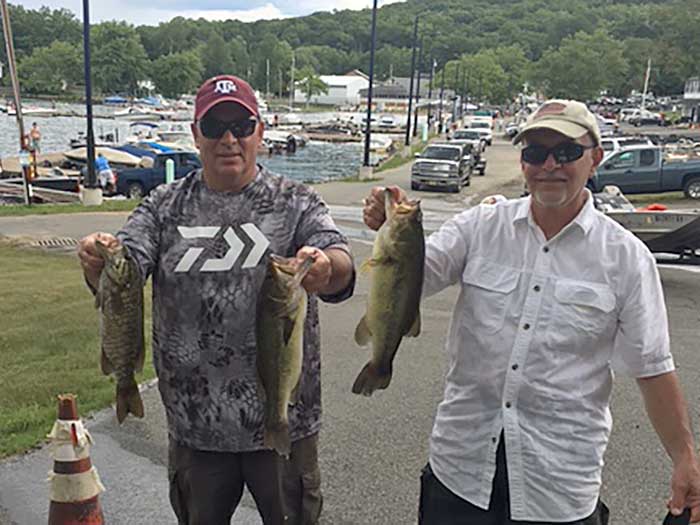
<point x="488" y="289"/>
<point x="581" y="308"/>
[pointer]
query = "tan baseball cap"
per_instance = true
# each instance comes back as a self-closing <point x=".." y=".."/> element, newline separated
<point x="568" y="117"/>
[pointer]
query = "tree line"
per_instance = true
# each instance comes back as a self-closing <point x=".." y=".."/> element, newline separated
<point x="487" y="48"/>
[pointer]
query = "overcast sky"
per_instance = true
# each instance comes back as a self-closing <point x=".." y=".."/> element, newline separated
<point x="152" y="12"/>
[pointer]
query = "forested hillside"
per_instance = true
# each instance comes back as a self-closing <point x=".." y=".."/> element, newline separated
<point x="564" y="47"/>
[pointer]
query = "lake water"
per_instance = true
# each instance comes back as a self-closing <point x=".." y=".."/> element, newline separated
<point x="318" y="161"/>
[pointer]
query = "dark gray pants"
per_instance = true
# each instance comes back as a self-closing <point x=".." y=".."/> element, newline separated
<point x="206" y="487"/>
<point x="440" y="506"/>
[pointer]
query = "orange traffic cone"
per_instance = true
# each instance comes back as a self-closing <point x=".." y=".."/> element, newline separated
<point x="74" y="485"/>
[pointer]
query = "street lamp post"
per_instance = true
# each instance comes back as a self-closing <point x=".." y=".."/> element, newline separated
<point x="93" y="195"/>
<point x="430" y="90"/>
<point x="454" y="105"/>
<point x="442" y="94"/>
<point x="371" y="83"/>
<point x="415" y="115"/>
<point x="410" y="89"/>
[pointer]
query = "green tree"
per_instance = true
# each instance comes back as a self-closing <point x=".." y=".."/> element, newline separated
<point x="49" y="70"/>
<point x="119" y="59"/>
<point x="311" y="84"/>
<point x="216" y="57"/>
<point x="177" y="73"/>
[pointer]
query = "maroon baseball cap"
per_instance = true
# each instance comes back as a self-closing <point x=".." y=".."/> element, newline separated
<point x="224" y="88"/>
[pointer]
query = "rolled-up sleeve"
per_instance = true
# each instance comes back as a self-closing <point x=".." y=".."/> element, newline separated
<point x="642" y="346"/>
<point x="446" y="252"/>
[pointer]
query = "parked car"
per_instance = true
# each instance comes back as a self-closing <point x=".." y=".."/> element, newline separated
<point x="615" y="143"/>
<point x="441" y="166"/>
<point x="138" y="182"/>
<point x="646" y="118"/>
<point x="474" y="141"/>
<point x="643" y="169"/>
<point x="607" y="126"/>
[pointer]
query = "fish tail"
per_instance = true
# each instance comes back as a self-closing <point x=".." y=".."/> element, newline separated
<point x="371" y="379"/>
<point x="276" y="436"/>
<point x="128" y="400"/>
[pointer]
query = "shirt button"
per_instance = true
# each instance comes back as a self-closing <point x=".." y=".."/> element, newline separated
<point x="508" y="405"/>
<point x="515" y="367"/>
<point x="493" y="440"/>
<point x="537" y="288"/>
<point x="545" y="249"/>
<point x="526" y="326"/>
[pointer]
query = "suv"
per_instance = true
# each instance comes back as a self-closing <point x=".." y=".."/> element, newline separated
<point x="472" y="139"/>
<point x="441" y="166"/>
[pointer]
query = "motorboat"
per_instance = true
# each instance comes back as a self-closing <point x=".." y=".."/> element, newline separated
<point x="32" y="111"/>
<point x="116" y="158"/>
<point x="662" y="230"/>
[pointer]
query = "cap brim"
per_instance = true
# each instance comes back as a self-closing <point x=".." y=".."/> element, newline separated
<point x="568" y="129"/>
<point x="221" y="100"/>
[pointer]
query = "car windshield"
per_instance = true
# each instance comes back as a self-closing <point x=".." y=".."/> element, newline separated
<point x="480" y="125"/>
<point x="466" y="135"/>
<point x="434" y="152"/>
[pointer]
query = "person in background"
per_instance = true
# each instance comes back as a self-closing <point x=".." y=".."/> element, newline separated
<point x="105" y="175"/>
<point x="555" y="297"/>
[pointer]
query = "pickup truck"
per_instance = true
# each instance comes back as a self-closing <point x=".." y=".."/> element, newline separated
<point x="441" y="166"/>
<point x="642" y="169"/>
<point x="472" y="139"/>
<point x="135" y="183"/>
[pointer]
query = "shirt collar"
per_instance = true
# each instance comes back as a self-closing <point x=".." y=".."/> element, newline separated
<point x="583" y="220"/>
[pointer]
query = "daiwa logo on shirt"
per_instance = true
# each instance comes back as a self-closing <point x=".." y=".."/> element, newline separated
<point x="236" y="246"/>
<point x="225" y="87"/>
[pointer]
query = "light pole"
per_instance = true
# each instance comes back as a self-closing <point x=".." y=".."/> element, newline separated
<point x="95" y="194"/>
<point x="454" y="105"/>
<point x="410" y="89"/>
<point x="415" y="115"/>
<point x="371" y="83"/>
<point x="442" y="93"/>
<point x="430" y="91"/>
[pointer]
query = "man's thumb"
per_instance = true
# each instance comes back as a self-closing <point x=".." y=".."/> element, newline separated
<point x="677" y="502"/>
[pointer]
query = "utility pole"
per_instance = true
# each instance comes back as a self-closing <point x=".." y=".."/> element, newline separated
<point x="415" y="116"/>
<point x="410" y="89"/>
<point x="461" y="94"/>
<point x="10" y="51"/>
<point x="267" y="78"/>
<point x="291" y="89"/>
<point x="430" y="90"/>
<point x="454" y="105"/>
<point x="442" y="93"/>
<point x="371" y="82"/>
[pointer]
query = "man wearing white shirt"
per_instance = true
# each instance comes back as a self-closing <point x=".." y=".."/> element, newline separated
<point x="555" y="297"/>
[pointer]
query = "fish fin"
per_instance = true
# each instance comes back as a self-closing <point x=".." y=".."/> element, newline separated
<point x="98" y="299"/>
<point x="371" y="379"/>
<point x="288" y="325"/>
<point x="414" y="331"/>
<point x="374" y="261"/>
<point x="105" y="364"/>
<point x="129" y="400"/>
<point x="362" y="332"/>
<point x="276" y="436"/>
<point x="296" y="393"/>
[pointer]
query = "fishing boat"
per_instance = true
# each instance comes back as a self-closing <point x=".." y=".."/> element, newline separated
<point x="662" y="230"/>
<point x="32" y="111"/>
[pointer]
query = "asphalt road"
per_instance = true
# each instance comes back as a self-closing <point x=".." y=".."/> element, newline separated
<point x="372" y="449"/>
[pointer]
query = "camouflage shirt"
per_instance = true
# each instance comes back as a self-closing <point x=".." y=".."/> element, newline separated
<point x="206" y="253"/>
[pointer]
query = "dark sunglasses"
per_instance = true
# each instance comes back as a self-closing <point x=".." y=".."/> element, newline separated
<point x="563" y="153"/>
<point x="213" y="128"/>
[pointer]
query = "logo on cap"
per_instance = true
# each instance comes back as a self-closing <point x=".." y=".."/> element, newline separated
<point x="225" y="87"/>
<point x="552" y="108"/>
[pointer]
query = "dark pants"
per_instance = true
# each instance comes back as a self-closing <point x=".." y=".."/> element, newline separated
<point x="206" y="487"/>
<point x="440" y="506"/>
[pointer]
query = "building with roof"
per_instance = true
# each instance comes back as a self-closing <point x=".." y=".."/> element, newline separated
<point x="691" y="99"/>
<point x="343" y="90"/>
<point x="393" y="95"/>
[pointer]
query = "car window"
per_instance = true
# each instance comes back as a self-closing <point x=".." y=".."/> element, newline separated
<point x="435" y="152"/>
<point x="623" y="160"/>
<point x="480" y="125"/>
<point x="607" y="145"/>
<point x="647" y="157"/>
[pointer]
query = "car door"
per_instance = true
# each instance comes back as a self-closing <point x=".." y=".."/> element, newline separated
<point x="615" y="169"/>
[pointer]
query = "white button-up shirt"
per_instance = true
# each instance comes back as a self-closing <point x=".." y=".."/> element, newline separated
<point x="536" y="333"/>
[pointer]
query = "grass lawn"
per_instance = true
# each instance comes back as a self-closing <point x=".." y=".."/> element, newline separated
<point x="49" y="345"/>
<point x="48" y="209"/>
<point x="398" y="159"/>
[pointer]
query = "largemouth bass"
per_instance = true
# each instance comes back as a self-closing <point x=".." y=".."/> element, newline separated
<point x="120" y="300"/>
<point x="393" y="305"/>
<point x="281" y="313"/>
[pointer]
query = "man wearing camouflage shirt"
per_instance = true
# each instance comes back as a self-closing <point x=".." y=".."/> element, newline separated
<point x="204" y="239"/>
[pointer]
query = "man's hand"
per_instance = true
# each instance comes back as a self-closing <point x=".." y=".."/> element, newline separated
<point x="685" y="489"/>
<point x="319" y="276"/>
<point x="90" y="259"/>
<point x="373" y="212"/>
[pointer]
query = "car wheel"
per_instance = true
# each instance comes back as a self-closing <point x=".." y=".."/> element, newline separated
<point x="692" y="188"/>
<point x="415" y="186"/>
<point x="135" y="190"/>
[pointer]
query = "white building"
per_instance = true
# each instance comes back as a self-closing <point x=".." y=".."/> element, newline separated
<point x="343" y="90"/>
